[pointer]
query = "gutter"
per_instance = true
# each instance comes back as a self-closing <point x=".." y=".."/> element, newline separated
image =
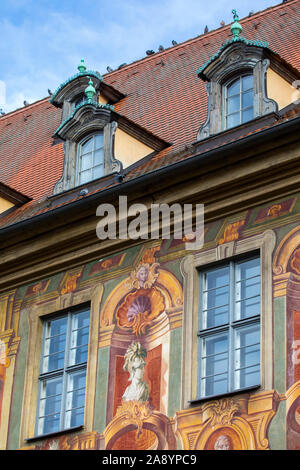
<point x="180" y="167"/>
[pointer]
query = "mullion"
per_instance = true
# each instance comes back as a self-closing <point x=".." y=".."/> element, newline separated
<point x="230" y="320"/>
<point x="65" y="373"/>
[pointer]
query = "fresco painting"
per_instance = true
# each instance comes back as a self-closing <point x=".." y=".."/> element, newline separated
<point x="137" y="317"/>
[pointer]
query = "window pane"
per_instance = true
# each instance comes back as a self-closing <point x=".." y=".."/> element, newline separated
<point x="247" y="115"/>
<point x="50" y="405"/>
<point x="247" y="82"/>
<point x="247" y="356"/>
<point x="234" y="88"/>
<point x="216" y="278"/>
<point x="79" y="338"/>
<point x="98" y="171"/>
<point x="86" y="161"/>
<point x="75" y="399"/>
<point x="214" y="373"/>
<point x="98" y="141"/>
<point x="247" y="289"/>
<point x="233" y="104"/>
<point x="216" y="307"/>
<point x="98" y="157"/>
<point x="215" y="301"/>
<point x="54" y="346"/>
<point x="57" y="327"/>
<point x="87" y="147"/>
<point x="233" y="120"/>
<point x="247" y="99"/>
<point x="85" y="177"/>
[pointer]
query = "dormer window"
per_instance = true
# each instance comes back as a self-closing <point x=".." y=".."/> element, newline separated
<point x="90" y="158"/>
<point x="236" y="83"/>
<point x="238" y="101"/>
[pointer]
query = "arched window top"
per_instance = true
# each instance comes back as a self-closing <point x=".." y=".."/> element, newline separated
<point x="90" y="159"/>
<point x="238" y="101"/>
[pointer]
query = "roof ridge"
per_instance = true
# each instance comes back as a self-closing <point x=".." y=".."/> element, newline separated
<point x="197" y="38"/>
<point x="166" y="51"/>
<point x="20" y="110"/>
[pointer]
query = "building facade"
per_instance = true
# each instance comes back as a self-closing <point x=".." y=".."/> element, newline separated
<point x="151" y="342"/>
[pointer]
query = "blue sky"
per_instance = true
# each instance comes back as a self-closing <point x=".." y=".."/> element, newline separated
<point x="44" y="40"/>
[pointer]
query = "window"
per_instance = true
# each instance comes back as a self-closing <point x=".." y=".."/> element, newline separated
<point x="229" y="327"/>
<point x="62" y="379"/>
<point x="90" y="159"/>
<point x="239" y="101"/>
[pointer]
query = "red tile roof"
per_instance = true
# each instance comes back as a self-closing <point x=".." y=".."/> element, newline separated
<point x="163" y="95"/>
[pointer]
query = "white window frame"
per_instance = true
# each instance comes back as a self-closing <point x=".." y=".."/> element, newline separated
<point x="64" y="372"/>
<point x="79" y="156"/>
<point x="240" y="94"/>
<point x="229" y="328"/>
<point x="264" y="243"/>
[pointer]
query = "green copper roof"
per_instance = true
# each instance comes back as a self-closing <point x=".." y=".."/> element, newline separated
<point x="81" y="105"/>
<point x="86" y="73"/>
<point x="226" y="44"/>
<point x="236" y="29"/>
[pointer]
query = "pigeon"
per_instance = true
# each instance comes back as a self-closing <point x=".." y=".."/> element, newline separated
<point x="109" y="69"/>
<point x="25" y="103"/>
<point x="49" y="92"/>
<point x="2" y="112"/>
<point x="222" y="23"/>
<point x="206" y="29"/>
<point x="122" y="65"/>
<point x="161" y="48"/>
<point x="150" y="52"/>
<point x="174" y="42"/>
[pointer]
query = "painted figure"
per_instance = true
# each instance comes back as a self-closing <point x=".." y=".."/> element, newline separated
<point x="135" y="364"/>
<point x="222" y="443"/>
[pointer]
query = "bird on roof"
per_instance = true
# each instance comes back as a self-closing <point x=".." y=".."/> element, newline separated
<point x="174" y="42"/>
<point x="161" y="48"/>
<point x="122" y="65"/>
<point x="206" y="29"/>
<point x="2" y="112"/>
<point x="109" y="69"/>
<point x="222" y="23"/>
<point x="49" y="92"/>
<point x="25" y="103"/>
<point x="150" y="52"/>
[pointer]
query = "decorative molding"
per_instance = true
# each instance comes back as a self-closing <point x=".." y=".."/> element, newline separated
<point x="233" y="59"/>
<point x="244" y="420"/>
<point x="139" y="416"/>
<point x="265" y="242"/>
<point x="35" y="314"/>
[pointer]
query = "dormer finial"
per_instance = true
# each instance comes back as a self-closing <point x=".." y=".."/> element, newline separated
<point x="236" y="28"/>
<point x="90" y="90"/>
<point x="81" y="67"/>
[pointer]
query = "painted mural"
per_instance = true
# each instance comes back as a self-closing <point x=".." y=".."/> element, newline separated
<point x="136" y="353"/>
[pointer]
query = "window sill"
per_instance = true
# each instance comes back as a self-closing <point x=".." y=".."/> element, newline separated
<point x="54" y="434"/>
<point x="222" y="395"/>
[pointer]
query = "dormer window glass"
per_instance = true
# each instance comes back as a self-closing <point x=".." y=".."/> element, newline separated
<point x="238" y="101"/>
<point x="90" y="158"/>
